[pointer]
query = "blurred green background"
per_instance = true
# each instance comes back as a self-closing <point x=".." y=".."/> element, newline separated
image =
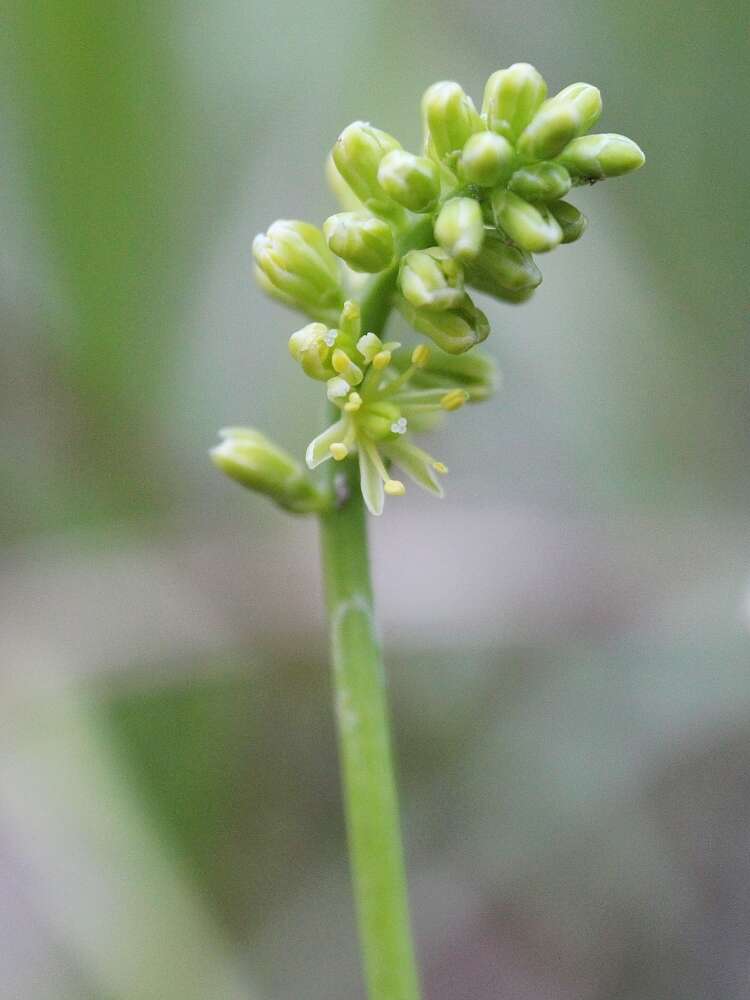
<point x="566" y="633"/>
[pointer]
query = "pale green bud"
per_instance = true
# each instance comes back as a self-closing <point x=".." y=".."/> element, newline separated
<point x="357" y="155"/>
<point x="594" y="157"/>
<point x="560" y="119"/>
<point x="571" y="221"/>
<point x="248" y="457"/>
<point x="459" y="228"/>
<point x="453" y="331"/>
<point x="549" y="132"/>
<point x="532" y="227"/>
<point x="311" y="348"/>
<point x="297" y="264"/>
<point x="431" y="279"/>
<point x="449" y="117"/>
<point x="344" y="194"/>
<point x="363" y="241"/>
<point x="501" y="269"/>
<point x="486" y="159"/>
<point x="511" y="99"/>
<point x="586" y="99"/>
<point x="541" y="182"/>
<point x="412" y="181"/>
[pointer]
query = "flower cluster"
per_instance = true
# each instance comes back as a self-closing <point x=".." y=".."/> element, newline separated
<point x="485" y="195"/>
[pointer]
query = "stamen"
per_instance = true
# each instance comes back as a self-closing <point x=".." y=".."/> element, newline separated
<point x="454" y="399"/>
<point x="343" y="364"/>
<point x="339" y="450"/>
<point x="353" y="403"/>
<point x="439" y="467"/>
<point x="394" y="488"/>
<point x="381" y="360"/>
<point x="420" y="355"/>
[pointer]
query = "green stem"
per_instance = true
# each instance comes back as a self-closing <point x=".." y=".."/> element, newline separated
<point x="370" y="798"/>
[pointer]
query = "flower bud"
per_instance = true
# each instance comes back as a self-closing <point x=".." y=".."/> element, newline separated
<point x="560" y="119"/>
<point x="249" y="458"/>
<point x="453" y="331"/>
<point x="459" y="228"/>
<point x="594" y="157"/>
<point x="311" y="347"/>
<point x="357" y="155"/>
<point x="431" y="279"/>
<point x="511" y="99"/>
<point x="363" y="241"/>
<point x="501" y="269"/>
<point x="412" y="181"/>
<point x="485" y="159"/>
<point x="449" y="118"/>
<point x="532" y="227"/>
<point x="344" y="194"/>
<point x="541" y="182"/>
<point x="549" y="132"/>
<point x="571" y="221"/>
<point x="586" y="99"/>
<point x="298" y="266"/>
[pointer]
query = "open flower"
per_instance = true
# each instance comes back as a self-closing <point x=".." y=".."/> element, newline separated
<point x="379" y="409"/>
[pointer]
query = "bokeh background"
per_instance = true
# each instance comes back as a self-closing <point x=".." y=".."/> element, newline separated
<point x="566" y="633"/>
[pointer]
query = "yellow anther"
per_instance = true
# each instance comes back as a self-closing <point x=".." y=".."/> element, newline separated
<point x="420" y="355"/>
<point x="343" y="364"/>
<point x="394" y="488"/>
<point x="454" y="399"/>
<point x="353" y="402"/>
<point x="439" y="467"/>
<point x="339" y="450"/>
<point x="381" y="360"/>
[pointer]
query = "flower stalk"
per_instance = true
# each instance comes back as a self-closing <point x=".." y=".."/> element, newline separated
<point x="469" y="213"/>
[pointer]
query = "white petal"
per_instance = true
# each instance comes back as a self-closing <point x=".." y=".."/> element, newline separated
<point x="417" y="464"/>
<point x="371" y="483"/>
<point x="317" y="450"/>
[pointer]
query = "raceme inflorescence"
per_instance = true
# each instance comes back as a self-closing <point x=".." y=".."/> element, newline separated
<point x="416" y="232"/>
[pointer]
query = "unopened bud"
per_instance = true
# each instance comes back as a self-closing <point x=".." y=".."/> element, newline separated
<point x="357" y="155"/>
<point x="311" y="348"/>
<point x="532" y="227"/>
<point x="559" y="120"/>
<point x="541" y="182"/>
<point x="449" y="118"/>
<point x="502" y="269"/>
<point x="586" y="99"/>
<point x="363" y="241"/>
<point x="511" y="99"/>
<point x="412" y="181"/>
<point x="549" y="132"/>
<point x="248" y="457"/>
<point x="486" y="159"/>
<point x="459" y="228"/>
<point x="453" y="331"/>
<point x="296" y="262"/>
<point x="571" y="221"/>
<point x="431" y="279"/>
<point x="594" y="157"/>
